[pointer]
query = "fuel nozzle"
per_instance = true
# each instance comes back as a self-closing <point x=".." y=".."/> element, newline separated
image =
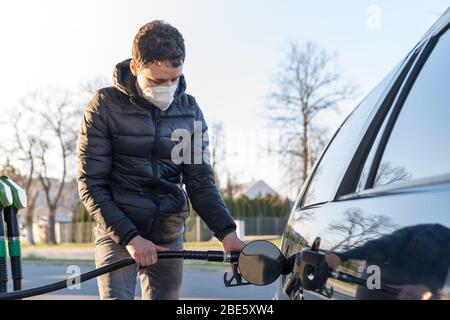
<point x="6" y="200"/>
<point x="12" y="226"/>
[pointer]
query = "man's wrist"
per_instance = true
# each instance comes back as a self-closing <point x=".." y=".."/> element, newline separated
<point x="129" y="236"/>
<point x="225" y="232"/>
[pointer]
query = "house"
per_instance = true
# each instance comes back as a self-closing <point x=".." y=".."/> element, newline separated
<point x="68" y="204"/>
<point x="256" y="189"/>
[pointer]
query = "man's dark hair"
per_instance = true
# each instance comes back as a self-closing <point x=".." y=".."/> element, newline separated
<point x="158" y="41"/>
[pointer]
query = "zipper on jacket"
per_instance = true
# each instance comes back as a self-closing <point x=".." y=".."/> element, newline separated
<point x="155" y="149"/>
<point x="155" y="115"/>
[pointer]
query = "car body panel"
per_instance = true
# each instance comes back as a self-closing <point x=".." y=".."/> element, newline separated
<point x="367" y="215"/>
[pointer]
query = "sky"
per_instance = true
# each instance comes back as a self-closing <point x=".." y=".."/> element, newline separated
<point x="234" y="48"/>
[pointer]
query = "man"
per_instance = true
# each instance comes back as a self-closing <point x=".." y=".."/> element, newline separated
<point x="129" y="177"/>
<point x="414" y="260"/>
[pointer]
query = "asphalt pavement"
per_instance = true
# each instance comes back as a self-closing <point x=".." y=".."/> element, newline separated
<point x="199" y="282"/>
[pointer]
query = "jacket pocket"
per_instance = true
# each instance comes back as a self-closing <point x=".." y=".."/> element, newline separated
<point x="168" y="226"/>
<point x="142" y="218"/>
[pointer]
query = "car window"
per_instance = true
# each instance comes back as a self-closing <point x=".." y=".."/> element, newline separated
<point x="402" y="239"/>
<point x="329" y="172"/>
<point x="418" y="145"/>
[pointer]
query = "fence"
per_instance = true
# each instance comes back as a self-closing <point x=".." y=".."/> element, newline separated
<point x="80" y="232"/>
<point x="196" y="230"/>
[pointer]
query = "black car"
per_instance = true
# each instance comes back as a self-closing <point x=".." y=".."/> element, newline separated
<point x="377" y="202"/>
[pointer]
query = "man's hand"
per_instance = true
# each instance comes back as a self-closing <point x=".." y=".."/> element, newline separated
<point x="231" y="242"/>
<point x="333" y="260"/>
<point x="143" y="251"/>
<point x="413" y="292"/>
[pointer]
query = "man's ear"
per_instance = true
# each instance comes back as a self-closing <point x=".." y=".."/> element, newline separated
<point x="133" y="68"/>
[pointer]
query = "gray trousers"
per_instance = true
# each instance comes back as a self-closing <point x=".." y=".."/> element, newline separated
<point x="160" y="281"/>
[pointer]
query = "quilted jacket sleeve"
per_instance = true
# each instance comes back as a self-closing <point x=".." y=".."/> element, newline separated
<point x="198" y="176"/>
<point x="94" y="162"/>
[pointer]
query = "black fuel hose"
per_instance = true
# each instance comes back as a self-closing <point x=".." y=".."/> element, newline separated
<point x="217" y="256"/>
<point x="3" y="264"/>
<point x="14" y="251"/>
<point x="349" y="278"/>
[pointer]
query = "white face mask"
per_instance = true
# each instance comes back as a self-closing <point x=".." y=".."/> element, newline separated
<point x="160" y="96"/>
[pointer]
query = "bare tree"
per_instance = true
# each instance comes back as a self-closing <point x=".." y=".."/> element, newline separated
<point x="306" y="85"/>
<point x="90" y="87"/>
<point x="231" y="186"/>
<point x="56" y="118"/>
<point x="22" y="150"/>
<point x="388" y="174"/>
<point x="40" y="139"/>
<point x="216" y="144"/>
<point x="219" y="156"/>
<point x="356" y="229"/>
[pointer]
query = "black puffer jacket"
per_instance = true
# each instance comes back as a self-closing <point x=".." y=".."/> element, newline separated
<point x="126" y="178"/>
